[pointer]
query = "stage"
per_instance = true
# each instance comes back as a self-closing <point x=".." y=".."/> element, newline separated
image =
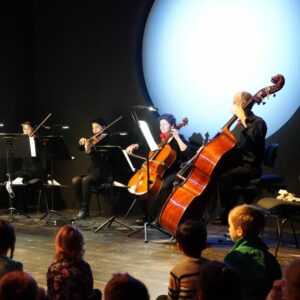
<point x="110" y="250"/>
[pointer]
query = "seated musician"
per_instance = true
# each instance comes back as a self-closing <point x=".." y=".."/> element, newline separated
<point x="247" y="156"/>
<point x="96" y="175"/>
<point x="32" y="167"/>
<point x="32" y="171"/>
<point x="167" y="124"/>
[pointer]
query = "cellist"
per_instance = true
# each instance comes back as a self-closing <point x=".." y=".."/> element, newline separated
<point x="247" y="156"/>
<point x="167" y="125"/>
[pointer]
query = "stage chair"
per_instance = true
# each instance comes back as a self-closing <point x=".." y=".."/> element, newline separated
<point x="283" y="211"/>
<point x="106" y="190"/>
<point x="271" y="182"/>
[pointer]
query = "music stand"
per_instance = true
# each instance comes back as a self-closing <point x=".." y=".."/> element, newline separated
<point x="17" y="146"/>
<point x="116" y="158"/>
<point x="56" y="149"/>
<point x="145" y="131"/>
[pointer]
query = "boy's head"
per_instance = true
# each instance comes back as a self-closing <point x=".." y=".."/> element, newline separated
<point x="245" y="220"/>
<point x="122" y="286"/>
<point x="292" y="278"/>
<point x="191" y="237"/>
<point x="218" y="281"/>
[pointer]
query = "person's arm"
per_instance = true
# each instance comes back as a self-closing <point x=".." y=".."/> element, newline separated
<point x="182" y="145"/>
<point x="276" y="293"/>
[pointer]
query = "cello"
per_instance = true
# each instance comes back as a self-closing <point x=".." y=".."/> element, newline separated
<point x="188" y="198"/>
<point x="159" y="161"/>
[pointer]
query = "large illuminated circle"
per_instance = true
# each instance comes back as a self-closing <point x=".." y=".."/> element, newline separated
<point x="198" y="53"/>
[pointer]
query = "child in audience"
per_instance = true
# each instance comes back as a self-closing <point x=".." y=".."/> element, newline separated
<point x="122" y="286"/>
<point x="250" y="257"/>
<point x="184" y="277"/>
<point x="7" y="244"/>
<point x="19" y="285"/>
<point x="288" y="288"/>
<point x="219" y="282"/>
<point x="70" y="277"/>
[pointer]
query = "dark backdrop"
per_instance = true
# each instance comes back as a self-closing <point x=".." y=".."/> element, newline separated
<point x="83" y="60"/>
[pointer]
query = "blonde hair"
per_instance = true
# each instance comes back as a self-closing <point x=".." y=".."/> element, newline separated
<point x="69" y="244"/>
<point x="248" y="217"/>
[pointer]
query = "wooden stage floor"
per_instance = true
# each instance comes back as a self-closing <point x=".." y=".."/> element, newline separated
<point x="110" y="250"/>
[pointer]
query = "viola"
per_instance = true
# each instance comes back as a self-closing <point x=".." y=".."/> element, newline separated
<point x="188" y="200"/>
<point x="159" y="161"/>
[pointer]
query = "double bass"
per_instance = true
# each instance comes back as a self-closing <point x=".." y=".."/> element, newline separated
<point x="188" y="199"/>
<point x="159" y="161"/>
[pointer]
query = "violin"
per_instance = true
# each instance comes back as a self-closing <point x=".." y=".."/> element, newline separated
<point x="159" y="161"/>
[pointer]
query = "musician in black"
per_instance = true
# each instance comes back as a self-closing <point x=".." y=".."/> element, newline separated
<point x="167" y="125"/>
<point x="96" y="174"/>
<point x="32" y="167"/>
<point x="247" y="156"/>
<point x="32" y="172"/>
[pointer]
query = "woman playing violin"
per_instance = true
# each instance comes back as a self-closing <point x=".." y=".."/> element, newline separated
<point x="167" y="125"/>
<point x="82" y="184"/>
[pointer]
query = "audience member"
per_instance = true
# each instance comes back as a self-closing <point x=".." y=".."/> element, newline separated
<point x="219" y="282"/>
<point x="7" y="244"/>
<point x="70" y="277"/>
<point x="257" y="267"/>
<point x="19" y="285"/>
<point x="122" y="286"/>
<point x="184" y="277"/>
<point x="288" y="288"/>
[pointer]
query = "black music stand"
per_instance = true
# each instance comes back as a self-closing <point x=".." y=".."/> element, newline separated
<point x="114" y="159"/>
<point x="17" y="146"/>
<point x="56" y="149"/>
<point x="148" y="223"/>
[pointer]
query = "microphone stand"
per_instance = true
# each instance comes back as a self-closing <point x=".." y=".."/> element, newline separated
<point x="148" y="224"/>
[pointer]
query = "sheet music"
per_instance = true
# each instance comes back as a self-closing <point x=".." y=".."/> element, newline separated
<point x="32" y="146"/>
<point x="148" y="136"/>
<point x="128" y="160"/>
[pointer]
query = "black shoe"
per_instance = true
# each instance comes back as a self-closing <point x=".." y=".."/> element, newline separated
<point x="142" y="221"/>
<point x="82" y="214"/>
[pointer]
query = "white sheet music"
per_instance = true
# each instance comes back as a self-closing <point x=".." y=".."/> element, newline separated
<point x="32" y="146"/>
<point x="128" y="160"/>
<point x="148" y="136"/>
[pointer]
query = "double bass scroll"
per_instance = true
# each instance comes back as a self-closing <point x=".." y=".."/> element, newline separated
<point x="186" y="200"/>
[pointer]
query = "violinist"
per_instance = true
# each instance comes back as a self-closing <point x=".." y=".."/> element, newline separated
<point x="247" y="156"/>
<point x="32" y="167"/>
<point x="96" y="175"/>
<point x="167" y="125"/>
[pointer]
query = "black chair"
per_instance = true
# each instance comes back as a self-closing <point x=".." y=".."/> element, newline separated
<point x="271" y="182"/>
<point x="105" y="190"/>
<point x="283" y="211"/>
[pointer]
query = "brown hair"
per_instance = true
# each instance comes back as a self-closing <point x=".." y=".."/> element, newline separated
<point x="18" y="285"/>
<point x="292" y="277"/>
<point x="122" y="286"/>
<point x="69" y="244"/>
<point x="249" y="217"/>
<point x="7" y="237"/>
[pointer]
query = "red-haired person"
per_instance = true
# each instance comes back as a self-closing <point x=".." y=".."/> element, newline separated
<point x="70" y="276"/>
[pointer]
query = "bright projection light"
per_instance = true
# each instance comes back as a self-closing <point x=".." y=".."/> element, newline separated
<point x="198" y="53"/>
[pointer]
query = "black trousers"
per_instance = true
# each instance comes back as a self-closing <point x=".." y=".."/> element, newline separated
<point x="82" y="185"/>
<point x="237" y="176"/>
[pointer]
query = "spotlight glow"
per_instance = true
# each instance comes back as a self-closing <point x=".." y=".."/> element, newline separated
<point x="198" y="53"/>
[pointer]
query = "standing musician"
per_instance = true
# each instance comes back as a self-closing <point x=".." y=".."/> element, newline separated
<point x="246" y="157"/>
<point x="167" y="124"/>
<point x="82" y="184"/>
